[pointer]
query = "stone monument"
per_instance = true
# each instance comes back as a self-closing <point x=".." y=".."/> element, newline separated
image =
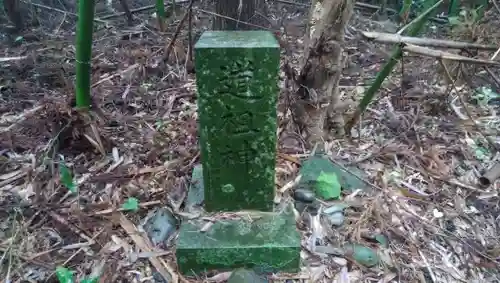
<point x="237" y="81"/>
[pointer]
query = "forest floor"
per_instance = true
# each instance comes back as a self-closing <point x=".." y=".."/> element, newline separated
<point x="421" y="156"/>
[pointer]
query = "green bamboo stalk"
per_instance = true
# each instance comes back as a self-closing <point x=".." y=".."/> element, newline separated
<point x="453" y="8"/>
<point x="84" y="52"/>
<point x="415" y="26"/>
<point x="160" y="13"/>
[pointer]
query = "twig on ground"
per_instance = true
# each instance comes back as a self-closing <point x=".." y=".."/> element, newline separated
<point x="427" y="265"/>
<point x="135" y="173"/>
<point x="75" y="230"/>
<point x="29" y="259"/>
<point x="7" y="59"/>
<point x="497" y="7"/>
<point x="61" y="11"/>
<point x="111" y="210"/>
<point x="467" y="111"/>
<point x="143" y="244"/>
<point x="129" y="69"/>
<point x="450" y="181"/>
<point x="492" y="74"/>
<point x="21" y="118"/>
<point x="91" y="241"/>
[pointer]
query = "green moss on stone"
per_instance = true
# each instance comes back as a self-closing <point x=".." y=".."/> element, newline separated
<point x="265" y="240"/>
<point x="237" y="81"/>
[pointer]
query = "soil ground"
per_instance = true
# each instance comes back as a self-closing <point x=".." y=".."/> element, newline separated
<point x="421" y="156"/>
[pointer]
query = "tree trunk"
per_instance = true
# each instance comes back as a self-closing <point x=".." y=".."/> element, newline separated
<point x="237" y="13"/>
<point x="318" y="102"/>
<point x="13" y="11"/>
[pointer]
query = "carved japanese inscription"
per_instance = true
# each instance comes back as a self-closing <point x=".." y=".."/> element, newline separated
<point x="237" y="93"/>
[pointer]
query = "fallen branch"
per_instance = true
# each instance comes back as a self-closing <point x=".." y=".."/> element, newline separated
<point x="429" y="42"/>
<point x="446" y="55"/>
<point x="144" y="245"/>
<point x="177" y="31"/>
<point x="107" y="177"/>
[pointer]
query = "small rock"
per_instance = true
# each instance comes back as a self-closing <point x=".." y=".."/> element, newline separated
<point x="336" y="218"/>
<point x="320" y="174"/>
<point x="304" y="195"/>
<point x="160" y="226"/>
<point x="158" y="278"/>
<point x="363" y="255"/>
<point x="335" y="208"/>
<point x="246" y="276"/>
<point x="382" y="240"/>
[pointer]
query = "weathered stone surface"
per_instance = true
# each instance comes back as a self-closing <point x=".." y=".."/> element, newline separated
<point x="314" y="166"/>
<point x="262" y="240"/>
<point x="160" y="226"/>
<point x="304" y="195"/>
<point x="196" y="191"/>
<point x="237" y="75"/>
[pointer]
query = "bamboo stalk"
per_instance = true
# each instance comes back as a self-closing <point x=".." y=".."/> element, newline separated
<point x="415" y="27"/>
<point x="84" y="52"/>
<point x="160" y="14"/>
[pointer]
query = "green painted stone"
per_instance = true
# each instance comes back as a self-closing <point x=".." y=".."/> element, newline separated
<point x="313" y="167"/>
<point x="237" y="81"/>
<point x="363" y="255"/>
<point x="264" y="241"/>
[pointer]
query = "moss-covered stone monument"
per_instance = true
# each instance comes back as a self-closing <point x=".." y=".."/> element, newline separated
<point x="237" y="81"/>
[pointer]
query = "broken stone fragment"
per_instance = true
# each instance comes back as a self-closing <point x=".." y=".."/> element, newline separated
<point x="335" y="219"/>
<point x="160" y="226"/>
<point x="335" y="214"/>
<point x="326" y="178"/>
<point x="363" y="255"/>
<point x="246" y="276"/>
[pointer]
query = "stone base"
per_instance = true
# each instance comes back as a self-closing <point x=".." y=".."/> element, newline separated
<point x="265" y="241"/>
